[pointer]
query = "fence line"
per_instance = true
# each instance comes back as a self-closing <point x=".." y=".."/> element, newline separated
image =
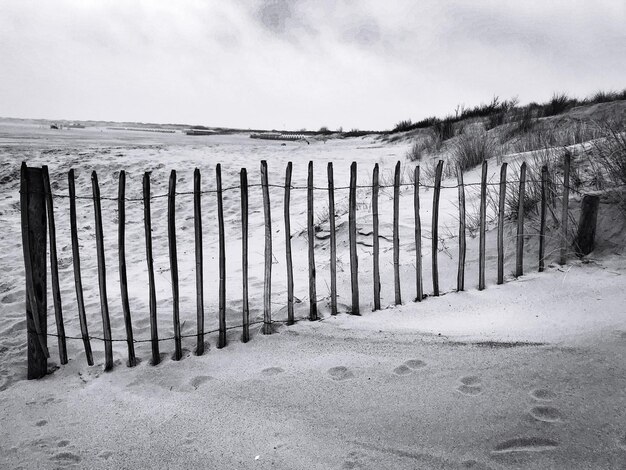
<point x="29" y="192"/>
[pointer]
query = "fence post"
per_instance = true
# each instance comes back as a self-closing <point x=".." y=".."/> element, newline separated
<point x="147" y="220"/>
<point x="311" y="238"/>
<point x="78" y="284"/>
<point x="418" y="236"/>
<point x="171" y="236"/>
<point x="542" y="226"/>
<point x="197" y="223"/>
<point x="376" y="242"/>
<point x="54" y="268"/>
<point x="483" y="216"/>
<point x="121" y="243"/>
<point x="221" y="341"/>
<point x="501" y="203"/>
<point x="287" y="215"/>
<point x="460" y="277"/>
<point x="33" y="212"/>
<point x="104" y="304"/>
<point x="396" y="235"/>
<point x="519" y="262"/>
<point x="435" y="228"/>
<point x="267" y="285"/>
<point x="565" y="207"/>
<point x="243" y="179"/>
<point x="333" y="240"/>
<point x="354" y="260"/>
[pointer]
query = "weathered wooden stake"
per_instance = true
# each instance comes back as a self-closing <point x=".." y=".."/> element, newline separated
<point x="147" y="219"/>
<point x="33" y="212"/>
<point x="290" y="318"/>
<point x="376" y="247"/>
<point x="77" y="276"/>
<point x="104" y="303"/>
<point x="565" y="208"/>
<point x="333" y="240"/>
<point x="396" y="234"/>
<point x="267" y="285"/>
<point x="418" y="236"/>
<point x="121" y="243"/>
<point x="501" y="203"/>
<point x="243" y="179"/>
<point x="221" y="341"/>
<point x="483" y="217"/>
<point x="354" y="260"/>
<point x="311" y="238"/>
<point x="171" y="236"/>
<point x="435" y="228"/>
<point x="542" y="226"/>
<point x="197" y="223"/>
<point x="585" y="238"/>
<point x="460" y="277"/>
<point x="54" y="269"/>
<point x="519" y="262"/>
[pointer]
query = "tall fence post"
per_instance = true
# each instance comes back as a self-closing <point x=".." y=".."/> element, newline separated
<point x="171" y="236"/>
<point x="460" y="277"/>
<point x="54" y="269"/>
<point x="396" y="235"/>
<point x="333" y="240"/>
<point x="565" y="207"/>
<point x="104" y="304"/>
<point x="33" y="212"/>
<point x="197" y="224"/>
<point x="311" y="238"/>
<point x="121" y="243"/>
<point x="267" y="285"/>
<point x="354" y="260"/>
<point x="147" y="221"/>
<point x="519" y="261"/>
<point x="289" y="259"/>
<point x="435" y="228"/>
<point x="501" y="202"/>
<point x="419" y="283"/>
<point x="542" y="226"/>
<point x="483" y="217"/>
<point x="221" y="341"/>
<point x="243" y="179"/>
<point x="376" y="242"/>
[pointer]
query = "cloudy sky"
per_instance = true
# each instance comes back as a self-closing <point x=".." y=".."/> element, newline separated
<point x="302" y="63"/>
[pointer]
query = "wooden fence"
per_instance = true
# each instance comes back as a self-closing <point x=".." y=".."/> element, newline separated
<point x="37" y="199"/>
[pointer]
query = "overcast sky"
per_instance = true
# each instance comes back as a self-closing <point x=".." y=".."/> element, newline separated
<point x="301" y="63"/>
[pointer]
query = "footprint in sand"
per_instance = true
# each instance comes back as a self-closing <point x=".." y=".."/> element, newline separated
<point x="525" y="444"/>
<point x="340" y="373"/>
<point x="197" y="381"/>
<point x="63" y="443"/>
<point x="409" y="366"/>
<point x="66" y="458"/>
<point x="272" y="371"/>
<point x="471" y="385"/>
<point x="542" y="394"/>
<point x="41" y="422"/>
<point x="547" y="414"/>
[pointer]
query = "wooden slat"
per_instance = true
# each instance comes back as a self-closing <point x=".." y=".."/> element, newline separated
<point x="243" y="180"/>
<point x="501" y="205"/>
<point x="419" y="282"/>
<point x="121" y="243"/>
<point x="197" y="224"/>
<point x="519" y="258"/>
<point x="78" y="284"/>
<point x="483" y="221"/>
<point x="311" y="239"/>
<point x="104" y="303"/>
<point x="54" y="269"/>
<point x="396" y="235"/>
<point x="565" y="207"/>
<point x="221" y="341"/>
<point x="289" y="260"/>
<point x="147" y="218"/>
<point x="460" y="277"/>
<point x="354" y="260"/>
<point x="333" y="240"/>
<point x="435" y="227"/>
<point x="171" y="236"/>
<point x="376" y="241"/>
<point x="267" y="284"/>
<point x="542" y="223"/>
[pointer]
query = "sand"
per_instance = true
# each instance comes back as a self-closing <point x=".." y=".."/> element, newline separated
<point x="529" y="374"/>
